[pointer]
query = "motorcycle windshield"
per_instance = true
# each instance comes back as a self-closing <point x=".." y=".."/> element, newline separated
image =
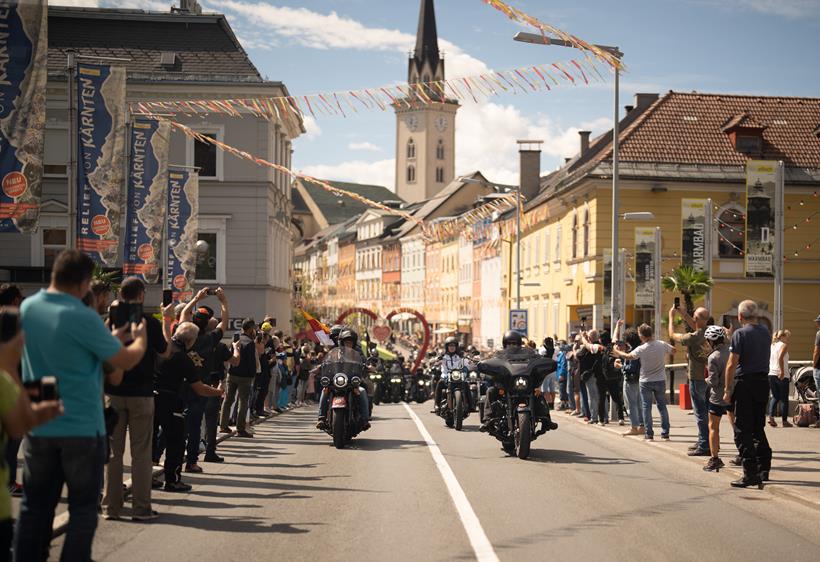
<point x="516" y="362"/>
<point x="343" y="360"/>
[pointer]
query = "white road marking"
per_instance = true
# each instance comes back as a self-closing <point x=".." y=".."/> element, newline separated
<point x="482" y="547"/>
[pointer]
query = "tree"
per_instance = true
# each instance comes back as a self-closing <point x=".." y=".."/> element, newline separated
<point x="689" y="282"/>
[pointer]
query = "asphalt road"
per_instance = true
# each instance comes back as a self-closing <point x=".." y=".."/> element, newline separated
<point x="585" y="494"/>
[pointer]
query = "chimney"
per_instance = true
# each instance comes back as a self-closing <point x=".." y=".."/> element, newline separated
<point x="584" y="141"/>
<point x="530" y="167"/>
<point x="642" y="101"/>
<point x="628" y="108"/>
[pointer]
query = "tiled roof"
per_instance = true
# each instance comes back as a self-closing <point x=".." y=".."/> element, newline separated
<point x="339" y="209"/>
<point x="205" y="45"/>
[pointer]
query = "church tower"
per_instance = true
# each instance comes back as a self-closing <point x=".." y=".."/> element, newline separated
<point x="425" y="133"/>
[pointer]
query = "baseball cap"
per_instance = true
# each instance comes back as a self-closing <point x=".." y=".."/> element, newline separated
<point x="203" y="314"/>
<point x="266" y="327"/>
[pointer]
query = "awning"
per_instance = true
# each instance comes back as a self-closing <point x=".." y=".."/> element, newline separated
<point x="444" y="330"/>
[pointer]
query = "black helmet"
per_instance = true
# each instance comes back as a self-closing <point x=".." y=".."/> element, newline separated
<point x="348" y="334"/>
<point x="374" y="353"/>
<point x="451" y="340"/>
<point x="472" y="349"/>
<point x="512" y="338"/>
<point x="335" y="330"/>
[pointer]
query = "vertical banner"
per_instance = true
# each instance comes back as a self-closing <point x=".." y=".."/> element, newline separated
<point x="608" y="282"/>
<point x="147" y="200"/>
<point x="183" y="203"/>
<point x="761" y="179"/>
<point x="100" y="160"/>
<point x="23" y="73"/>
<point x="644" y="267"/>
<point x="693" y="228"/>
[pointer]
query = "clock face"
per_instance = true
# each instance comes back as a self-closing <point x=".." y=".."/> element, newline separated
<point x="441" y="123"/>
<point x="412" y="122"/>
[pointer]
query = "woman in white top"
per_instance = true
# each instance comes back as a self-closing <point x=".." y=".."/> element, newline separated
<point x="779" y="377"/>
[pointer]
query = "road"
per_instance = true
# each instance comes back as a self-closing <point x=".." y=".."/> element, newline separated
<point x="289" y="495"/>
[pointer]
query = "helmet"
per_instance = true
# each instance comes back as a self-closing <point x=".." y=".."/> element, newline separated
<point x="348" y="334"/>
<point x="452" y="340"/>
<point x="374" y="353"/>
<point x="512" y="338"/>
<point x="335" y="330"/>
<point x="714" y="333"/>
<point x="471" y="349"/>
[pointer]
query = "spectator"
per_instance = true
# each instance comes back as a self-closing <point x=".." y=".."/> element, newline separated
<point x="263" y="378"/>
<point x="133" y="400"/>
<point x="632" y="390"/>
<point x="284" y="380"/>
<point x="697" y="352"/>
<point x="10" y="295"/>
<point x="202" y="356"/>
<point x="779" y="377"/>
<point x="815" y="359"/>
<point x="652" y="354"/>
<point x="590" y="358"/>
<point x="222" y="355"/>
<point x="69" y="341"/>
<point x="271" y="348"/>
<point x="240" y="378"/>
<point x="574" y="375"/>
<point x="303" y="374"/>
<point x="715" y="379"/>
<point x="101" y="296"/>
<point x="561" y="373"/>
<point x="610" y="386"/>
<point x="748" y="368"/>
<point x="173" y="374"/>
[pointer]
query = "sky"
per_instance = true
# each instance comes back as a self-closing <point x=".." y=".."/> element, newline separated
<point x="765" y="47"/>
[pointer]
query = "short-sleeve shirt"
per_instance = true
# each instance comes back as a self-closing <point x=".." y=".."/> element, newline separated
<point x="139" y="381"/>
<point x="817" y="344"/>
<point x="9" y="392"/>
<point x="697" y="351"/>
<point x="221" y="354"/>
<point x="202" y="353"/>
<point x="716" y="366"/>
<point x="652" y="355"/>
<point x="68" y="340"/>
<point x="175" y="371"/>
<point x="751" y="344"/>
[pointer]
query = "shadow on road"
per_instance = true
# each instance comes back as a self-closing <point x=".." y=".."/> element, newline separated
<point x="574" y="457"/>
<point x="235" y="524"/>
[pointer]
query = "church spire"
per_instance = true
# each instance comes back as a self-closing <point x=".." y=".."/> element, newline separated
<point x="426" y="52"/>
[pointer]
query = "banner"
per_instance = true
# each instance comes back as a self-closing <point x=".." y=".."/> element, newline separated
<point x="761" y="179"/>
<point x="644" y="267"/>
<point x="183" y="208"/>
<point x="23" y="73"/>
<point x="607" y="281"/>
<point x="693" y="228"/>
<point x="100" y="160"/>
<point x="147" y="200"/>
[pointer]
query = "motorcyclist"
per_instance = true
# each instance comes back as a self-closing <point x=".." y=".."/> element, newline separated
<point x="512" y="344"/>
<point x="452" y="360"/>
<point x="346" y="337"/>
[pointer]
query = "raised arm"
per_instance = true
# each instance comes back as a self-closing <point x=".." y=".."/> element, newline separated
<point x="188" y="312"/>
<point x="225" y="318"/>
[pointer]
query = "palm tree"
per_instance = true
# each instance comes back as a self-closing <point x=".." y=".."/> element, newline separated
<point x="689" y="282"/>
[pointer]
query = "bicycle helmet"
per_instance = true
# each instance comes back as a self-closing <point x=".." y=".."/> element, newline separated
<point x="714" y="333"/>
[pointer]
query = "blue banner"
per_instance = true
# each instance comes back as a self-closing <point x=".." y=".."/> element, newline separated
<point x="100" y="160"/>
<point x="183" y="203"/>
<point x="146" y="202"/>
<point x="23" y="73"/>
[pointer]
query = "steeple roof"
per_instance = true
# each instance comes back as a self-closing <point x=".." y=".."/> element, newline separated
<point x="426" y="38"/>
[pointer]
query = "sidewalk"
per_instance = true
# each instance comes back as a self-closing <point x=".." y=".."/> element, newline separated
<point x="795" y="470"/>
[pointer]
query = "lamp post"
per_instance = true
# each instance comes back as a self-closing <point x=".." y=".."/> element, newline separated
<point x="538" y="39"/>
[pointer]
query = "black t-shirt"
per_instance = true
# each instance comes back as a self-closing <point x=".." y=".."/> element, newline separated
<point x="221" y="354"/>
<point x="175" y="371"/>
<point x="202" y="353"/>
<point x="139" y="381"/>
<point x="247" y="358"/>
<point x="591" y="362"/>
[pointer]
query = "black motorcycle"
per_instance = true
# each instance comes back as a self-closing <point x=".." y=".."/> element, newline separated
<point x="376" y="381"/>
<point x="519" y="405"/>
<point x="395" y="388"/>
<point x="453" y="406"/>
<point x="423" y="387"/>
<point x="342" y="373"/>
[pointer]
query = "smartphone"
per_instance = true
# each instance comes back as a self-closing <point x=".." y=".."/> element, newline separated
<point x="134" y="312"/>
<point x="9" y="324"/>
<point x="167" y="297"/>
<point x="677" y="302"/>
<point x="48" y="389"/>
<point x="211" y="291"/>
<point x="236" y="336"/>
<point x="124" y="313"/>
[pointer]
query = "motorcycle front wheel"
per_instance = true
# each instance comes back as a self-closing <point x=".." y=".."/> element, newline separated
<point x="339" y="428"/>
<point x="458" y="406"/>
<point x="524" y="435"/>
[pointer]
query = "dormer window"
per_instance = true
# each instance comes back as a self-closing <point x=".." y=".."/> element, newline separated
<point x="745" y="134"/>
<point x="748" y="144"/>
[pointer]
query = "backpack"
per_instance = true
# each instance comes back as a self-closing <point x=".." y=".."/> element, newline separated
<point x="805" y="416"/>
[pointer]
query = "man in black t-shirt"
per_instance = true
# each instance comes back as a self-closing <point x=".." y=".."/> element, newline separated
<point x="133" y="400"/>
<point x="222" y="354"/>
<point x="174" y="375"/>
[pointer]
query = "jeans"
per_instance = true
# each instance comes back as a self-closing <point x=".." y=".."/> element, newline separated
<point x="136" y="416"/>
<point x="300" y="390"/>
<point x="698" y="392"/>
<point x="193" y="426"/>
<point x="239" y="389"/>
<point x="780" y="395"/>
<point x="632" y="394"/>
<point x="584" y="409"/>
<point x="51" y="462"/>
<point x="567" y="385"/>
<point x="592" y="397"/>
<point x="658" y="391"/>
<point x="750" y="397"/>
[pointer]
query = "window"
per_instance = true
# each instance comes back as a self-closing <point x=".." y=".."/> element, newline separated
<point x="586" y="232"/>
<point x="556" y="310"/>
<point x="411" y="174"/>
<point x="206" y="261"/>
<point x="557" y="253"/>
<point x="54" y="242"/>
<point x="50" y="241"/>
<point x="411" y="149"/>
<point x="574" y="235"/>
<point x="731" y="227"/>
<point x="439" y="175"/>
<point x="210" y="265"/>
<point x="205" y="156"/>
<point x="440" y="150"/>
<point x="546" y="246"/>
<point x="749" y="144"/>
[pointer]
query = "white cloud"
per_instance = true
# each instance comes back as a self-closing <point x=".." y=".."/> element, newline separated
<point x="784" y="8"/>
<point x="364" y="146"/>
<point x="380" y="172"/>
<point x="312" y="127"/>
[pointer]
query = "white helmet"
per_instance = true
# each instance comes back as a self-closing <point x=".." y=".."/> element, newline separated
<point x="714" y="333"/>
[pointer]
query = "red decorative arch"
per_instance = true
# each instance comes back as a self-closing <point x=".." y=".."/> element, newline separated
<point x="424" y="345"/>
<point x="356" y="310"/>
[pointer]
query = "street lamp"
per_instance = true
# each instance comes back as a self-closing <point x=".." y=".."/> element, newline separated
<point x="538" y="39"/>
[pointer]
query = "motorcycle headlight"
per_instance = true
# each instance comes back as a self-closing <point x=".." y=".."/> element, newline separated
<point x="395" y="380"/>
<point x="473" y="377"/>
<point x="456" y="376"/>
<point x="356" y="382"/>
<point x="340" y="380"/>
<point x="428" y="383"/>
<point x="421" y="383"/>
<point x="521" y="383"/>
<point x="378" y="377"/>
<point x="324" y="381"/>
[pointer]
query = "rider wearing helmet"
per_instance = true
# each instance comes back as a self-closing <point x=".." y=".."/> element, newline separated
<point x="452" y="360"/>
<point x="715" y="381"/>
<point x="347" y="337"/>
<point x="335" y="330"/>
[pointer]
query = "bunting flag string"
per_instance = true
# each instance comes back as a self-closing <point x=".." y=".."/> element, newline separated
<point x="546" y="30"/>
<point x="262" y="162"/>
<point x="476" y="88"/>
<point x="451" y="227"/>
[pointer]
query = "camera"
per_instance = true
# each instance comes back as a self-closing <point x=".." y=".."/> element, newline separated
<point x="211" y="292"/>
<point x="124" y="313"/>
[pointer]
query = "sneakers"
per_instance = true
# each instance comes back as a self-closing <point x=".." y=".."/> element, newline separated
<point x="737" y="461"/>
<point x="111" y="517"/>
<point x="648" y="437"/>
<point x="244" y="434"/>
<point x="632" y="431"/>
<point x="787" y="423"/>
<point x="193" y="468"/>
<point x="698" y="452"/>
<point x="665" y="437"/>
<point x="621" y="422"/>
<point x="177" y="487"/>
<point x="714" y="464"/>
<point x="321" y="424"/>
<point x="213" y="458"/>
<point x="150" y="516"/>
<point x="692" y="447"/>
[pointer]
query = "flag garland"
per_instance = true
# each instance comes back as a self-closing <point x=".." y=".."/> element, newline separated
<point x="454" y="226"/>
<point x="527" y="79"/>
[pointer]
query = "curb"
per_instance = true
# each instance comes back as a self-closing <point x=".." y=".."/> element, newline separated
<point x="772" y="488"/>
<point x="61" y="521"/>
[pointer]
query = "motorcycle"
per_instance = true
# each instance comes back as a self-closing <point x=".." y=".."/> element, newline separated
<point x="475" y="386"/>
<point x="520" y="406"/>
<point x="342" y="374"/>
<point x="376" y="380"/>
<point x="422" y="389"/>
<point x="396" y="388"/>
<point x="453" y="406"/>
